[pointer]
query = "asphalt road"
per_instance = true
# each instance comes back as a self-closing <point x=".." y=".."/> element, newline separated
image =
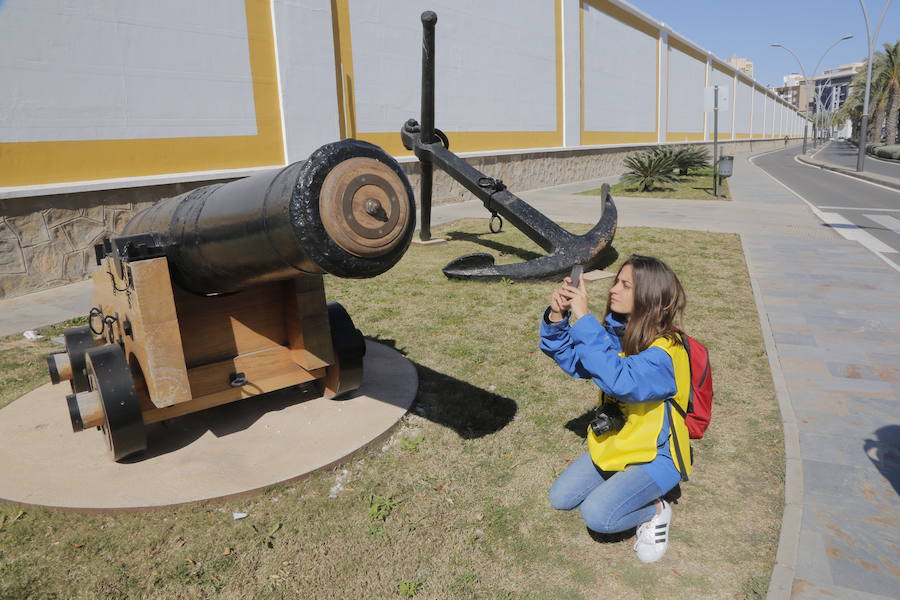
<point x="860" y="211"/>
<point x="845" y="154"/>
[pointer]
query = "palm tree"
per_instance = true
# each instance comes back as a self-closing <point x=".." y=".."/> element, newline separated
<point x="884" y="95"/>
<point x="890" y="71"/>
<point x="853" y="105"/>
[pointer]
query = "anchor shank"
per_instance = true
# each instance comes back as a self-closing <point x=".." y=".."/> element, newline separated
<point x="524" y="217"/>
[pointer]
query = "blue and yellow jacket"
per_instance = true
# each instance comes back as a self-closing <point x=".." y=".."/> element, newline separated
<point x="641" y="383"/>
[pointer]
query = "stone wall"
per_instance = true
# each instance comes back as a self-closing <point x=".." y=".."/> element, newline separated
<point x="46" y="241"/>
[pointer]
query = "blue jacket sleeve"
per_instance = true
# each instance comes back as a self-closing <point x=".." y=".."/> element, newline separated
<point x="586" y="350"/>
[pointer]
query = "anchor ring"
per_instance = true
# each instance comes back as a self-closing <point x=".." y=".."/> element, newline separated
<point x="499" y="221"/>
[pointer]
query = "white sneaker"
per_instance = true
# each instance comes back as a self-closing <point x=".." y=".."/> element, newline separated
<point x="653" y="536"/>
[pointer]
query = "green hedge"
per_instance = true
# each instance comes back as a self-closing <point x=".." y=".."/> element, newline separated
<point x="892" y="151"/>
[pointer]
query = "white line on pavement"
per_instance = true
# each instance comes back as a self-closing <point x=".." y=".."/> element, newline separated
<point x="817" y="151"/>
<point x="887" y="221"/>
<point x="824" y="217"/>
<point x="852" y="231"/>
<point x="857" y="208"/>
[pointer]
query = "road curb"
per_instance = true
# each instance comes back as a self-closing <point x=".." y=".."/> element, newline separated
<point x="781" y="581"/>
<point x="885" y="181"/>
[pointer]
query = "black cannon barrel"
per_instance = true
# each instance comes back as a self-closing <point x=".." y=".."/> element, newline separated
<point x="348" y="210"/>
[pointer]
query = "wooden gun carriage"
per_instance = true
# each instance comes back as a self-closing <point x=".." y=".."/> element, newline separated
<point x="217" y="295"/>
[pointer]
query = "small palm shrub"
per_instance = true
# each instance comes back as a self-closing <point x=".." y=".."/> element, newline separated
<point x="686" y="157"/>
<point x="649" y="169"/>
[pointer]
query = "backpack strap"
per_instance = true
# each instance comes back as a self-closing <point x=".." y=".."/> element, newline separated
<point x="678" y="457"/>
<point x="670" y="402"/>
<point x="687" y="348"/>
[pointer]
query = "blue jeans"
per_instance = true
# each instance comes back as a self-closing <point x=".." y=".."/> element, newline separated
<point x="610" y="501"/>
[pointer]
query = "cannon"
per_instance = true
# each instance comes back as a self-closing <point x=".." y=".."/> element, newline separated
<point x="432" y="147"/>
<point x="217" y="295"/>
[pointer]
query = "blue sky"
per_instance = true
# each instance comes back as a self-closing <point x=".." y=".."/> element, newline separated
<point x="747" y="27"/>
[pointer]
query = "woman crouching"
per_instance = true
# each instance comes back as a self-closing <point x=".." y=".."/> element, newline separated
<point x="638" y="447"/>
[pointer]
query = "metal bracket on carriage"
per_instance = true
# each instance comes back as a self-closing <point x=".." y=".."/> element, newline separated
<point x="431" y="147"/>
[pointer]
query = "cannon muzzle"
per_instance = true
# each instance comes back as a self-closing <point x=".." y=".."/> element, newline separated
<point x="348" y="210"/>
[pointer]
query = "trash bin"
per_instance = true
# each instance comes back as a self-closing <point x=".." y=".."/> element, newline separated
<point x="726" y="166"/>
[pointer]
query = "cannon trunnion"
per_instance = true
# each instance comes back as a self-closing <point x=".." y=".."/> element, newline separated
<point x="218" y="295"/>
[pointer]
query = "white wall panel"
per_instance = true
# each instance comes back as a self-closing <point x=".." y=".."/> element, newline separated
<point x="124" y="69"/>
<point x="495" y="64"/>
<point x="306" y="66"/>
<point x="619" y="75"/>
<point x="723" y="80"/>
<point x="742" y="108"/>
<point x="772" y="109"/>
<point x="687" y="79"/>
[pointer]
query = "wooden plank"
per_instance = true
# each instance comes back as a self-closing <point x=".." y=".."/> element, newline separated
<point x="216" y="328"/>
<point x="144" y="298"/>
<point x="306" y="320"/>
<point x="266" y="371"/>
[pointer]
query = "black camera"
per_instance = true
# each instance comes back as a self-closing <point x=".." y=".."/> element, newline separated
<point x="608" y="417"/>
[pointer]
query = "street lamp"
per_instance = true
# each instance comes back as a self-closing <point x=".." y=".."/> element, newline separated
<point x="806" y="80"/>
<point x="864" y="124"/>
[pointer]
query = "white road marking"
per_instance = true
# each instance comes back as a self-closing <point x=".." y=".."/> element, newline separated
<point x="887" y="221"/>
<point x="857" y="208"/>
<point x="852" y="231"/>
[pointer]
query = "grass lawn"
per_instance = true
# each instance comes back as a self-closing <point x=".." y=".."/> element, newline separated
<point x="695" y="186"/>
<point x="454" y="505"/>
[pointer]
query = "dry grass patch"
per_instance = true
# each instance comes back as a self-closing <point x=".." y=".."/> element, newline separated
<point x="454" y="505"/>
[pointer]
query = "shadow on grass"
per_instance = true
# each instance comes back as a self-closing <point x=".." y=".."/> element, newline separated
<point x="468" y="410"/>
<point x="478" y="238"/>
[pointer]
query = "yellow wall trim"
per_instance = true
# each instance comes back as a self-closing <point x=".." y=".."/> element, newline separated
<point x="682" y="47"/>
<point x="37" y="163"/>
<point x="471" y="141"/>
<point x="598" y="138"/>
<point x="673" y="137"/>
<point x="620" y="14"/>
<point x="343" y="67"/>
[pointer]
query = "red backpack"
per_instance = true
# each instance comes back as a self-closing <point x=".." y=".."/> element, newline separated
<point x="699" y="410"/>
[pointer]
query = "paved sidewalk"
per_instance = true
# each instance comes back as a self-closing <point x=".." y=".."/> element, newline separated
<point x="830" y="314"/>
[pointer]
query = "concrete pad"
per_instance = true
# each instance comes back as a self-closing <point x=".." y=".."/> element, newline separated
<point x="227" y="450"/>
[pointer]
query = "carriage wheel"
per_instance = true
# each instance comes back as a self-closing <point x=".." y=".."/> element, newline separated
<point x="345" y="375"/>
<point x="78" y="341"/>
<point x="109" y="374"/>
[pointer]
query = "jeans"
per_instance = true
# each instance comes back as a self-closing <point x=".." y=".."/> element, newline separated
<point x="610" y="501"/>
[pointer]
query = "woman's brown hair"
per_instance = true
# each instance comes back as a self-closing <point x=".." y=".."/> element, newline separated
<point x="659" y="301"/>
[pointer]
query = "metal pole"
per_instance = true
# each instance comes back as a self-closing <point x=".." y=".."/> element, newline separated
<point x="715" y="141"/>
<point x="805" y="130"/>
<point x="870" y="41"/>
<point x="429" y="20"/>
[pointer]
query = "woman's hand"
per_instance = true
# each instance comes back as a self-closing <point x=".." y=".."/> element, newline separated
<point x="558" y="306"/>
<point x="575" y="297"/>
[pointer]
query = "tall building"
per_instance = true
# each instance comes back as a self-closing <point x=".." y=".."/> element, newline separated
<point x="832" y="87"/>
<point x="825" y="92"/>
<point x="789" y="93"/>
<point x="743" y="65"/>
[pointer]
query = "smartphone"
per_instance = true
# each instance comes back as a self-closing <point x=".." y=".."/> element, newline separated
<point x="575" y="275"/>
